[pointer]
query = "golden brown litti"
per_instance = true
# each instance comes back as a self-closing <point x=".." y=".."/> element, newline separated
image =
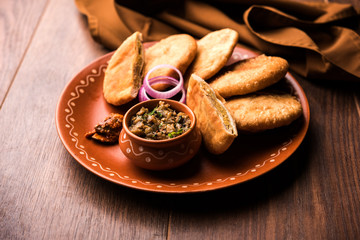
<point x="178" y="50"/>
<point x="123" y="76"/>
<point x="262" y="111"/>
<point x="213" y="52"/>
<point x="250" y="75"/>
<point x="213" y="119"/>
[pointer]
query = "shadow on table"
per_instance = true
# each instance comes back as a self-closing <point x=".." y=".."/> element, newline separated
<point x="241" y="197"/>
<point x="253" y="194"/>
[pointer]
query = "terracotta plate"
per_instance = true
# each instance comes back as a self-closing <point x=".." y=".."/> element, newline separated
<point x="82" y="105"/>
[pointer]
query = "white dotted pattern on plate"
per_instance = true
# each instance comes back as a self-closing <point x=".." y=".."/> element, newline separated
<point x="80" y="89"/>
<point x="160" y="154"/>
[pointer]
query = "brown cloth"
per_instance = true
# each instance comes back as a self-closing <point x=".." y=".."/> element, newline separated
<point x="318" y="39"/>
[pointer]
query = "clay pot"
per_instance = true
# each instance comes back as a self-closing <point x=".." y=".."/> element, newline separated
<point x="160" y="154"/>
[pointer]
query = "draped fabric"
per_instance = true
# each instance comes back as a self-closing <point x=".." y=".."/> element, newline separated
<point x="320" y="40"/>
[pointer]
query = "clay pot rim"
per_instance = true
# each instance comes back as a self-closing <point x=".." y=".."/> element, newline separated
<point x="173" y="104"/>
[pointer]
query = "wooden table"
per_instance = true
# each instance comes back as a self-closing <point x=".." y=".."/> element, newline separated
<point x="46" y="194"/>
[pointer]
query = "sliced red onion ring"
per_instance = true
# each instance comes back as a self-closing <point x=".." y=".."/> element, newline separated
<point x="235" y="57"/>
<point x="163" y="94"/>
<point x="161" y="79"/>
<point x="144" y="97"/>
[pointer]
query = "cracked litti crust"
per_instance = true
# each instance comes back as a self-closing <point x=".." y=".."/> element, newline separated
<point x="214" y="121"/>
<point x="123" y="76"/>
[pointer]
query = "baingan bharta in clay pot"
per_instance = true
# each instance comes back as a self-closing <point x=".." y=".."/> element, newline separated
<point x="159" y="154"/>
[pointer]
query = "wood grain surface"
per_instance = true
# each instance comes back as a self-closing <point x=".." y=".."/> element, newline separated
<point x="46" y="194"/>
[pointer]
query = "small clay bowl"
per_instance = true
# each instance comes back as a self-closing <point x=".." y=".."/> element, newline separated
<point x="160" y="154"/>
